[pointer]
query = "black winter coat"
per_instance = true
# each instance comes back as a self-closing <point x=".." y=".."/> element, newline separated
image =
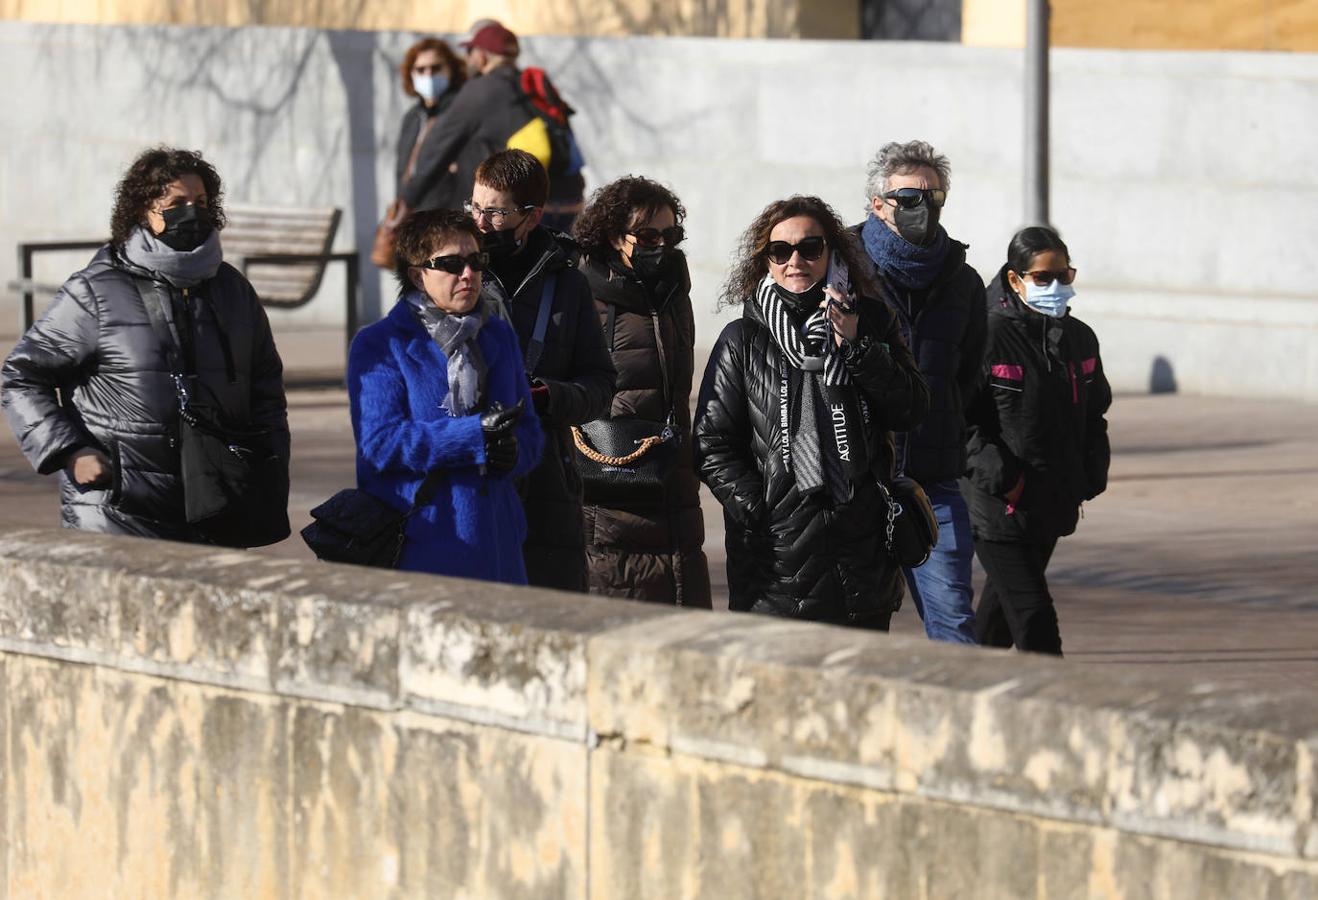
<point x="485" y="113"/>
<point x="576" y="368"/>
<point x="795" y="555"/>
<point x="440" y="192"/>
<point x="649" y="551"/>
<point x="945" y="327"/>
<point x="1039" y="414"/>
<point x="91" y="373"/>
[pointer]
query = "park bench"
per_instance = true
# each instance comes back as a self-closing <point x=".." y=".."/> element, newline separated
<point x="282" y="250"/>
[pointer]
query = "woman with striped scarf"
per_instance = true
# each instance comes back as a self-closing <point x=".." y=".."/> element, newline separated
<point x="794" y="422"/>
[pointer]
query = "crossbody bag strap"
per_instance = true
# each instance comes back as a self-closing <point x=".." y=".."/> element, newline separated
<point x="669" y="400"/>
<point x="426" y="492"/>
<point x="611" y="326"/>
<point x="167" y="336"/>
<point x="410" y="170"/>
<point x="536" y="348"/>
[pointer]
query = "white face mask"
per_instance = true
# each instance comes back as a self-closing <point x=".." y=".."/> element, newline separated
<point x="1050" y="300"/>
<point x="429" y="86"/>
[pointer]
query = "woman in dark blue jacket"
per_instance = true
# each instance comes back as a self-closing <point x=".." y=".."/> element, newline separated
<point x="438" y="385"/>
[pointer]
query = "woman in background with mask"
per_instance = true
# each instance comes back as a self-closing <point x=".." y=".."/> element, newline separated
<point x="794" y="422"/>
<point x="431" y="74"/>
<point x="1038" y="444"/>
<point x="646" y="545"/>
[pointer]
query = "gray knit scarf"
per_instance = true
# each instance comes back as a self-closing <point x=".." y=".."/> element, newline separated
<point x="181" y="268"/>
<point x="456" y="337"/>
<point x="826" y="385"/>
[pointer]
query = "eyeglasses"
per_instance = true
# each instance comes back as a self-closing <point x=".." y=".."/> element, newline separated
<point x="1043" y="278"/>
<point x="780" y="252"/>
<point x="910" y="198"/>
<point x="494" y="214"/>
<point x="455" y="265"/>
<point x="653" y="237"/>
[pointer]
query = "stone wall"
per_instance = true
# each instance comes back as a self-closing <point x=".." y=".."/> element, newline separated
<point x="178" y="722"/>
<point x="1181" y="180"/>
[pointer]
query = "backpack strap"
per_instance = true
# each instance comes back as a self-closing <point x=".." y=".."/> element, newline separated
<point x="536" y="348"/>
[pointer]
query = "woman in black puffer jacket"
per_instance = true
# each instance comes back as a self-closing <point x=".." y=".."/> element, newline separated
<point x="1038" y="444"/>
<point x="88" y="390"/>
<point x="648" y="547"/>
<point x="794" y="420"/>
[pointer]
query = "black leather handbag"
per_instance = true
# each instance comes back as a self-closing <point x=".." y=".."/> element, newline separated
<point x="910" y="526"/>
<point x="628" y="460"/>
<point x="235" y="482"/>
<point x="359" y="528"/>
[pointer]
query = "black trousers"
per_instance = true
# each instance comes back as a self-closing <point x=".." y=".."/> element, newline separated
<point x="1015" y="607"/>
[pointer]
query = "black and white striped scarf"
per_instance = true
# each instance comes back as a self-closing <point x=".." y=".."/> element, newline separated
<point x="826" y="384"/>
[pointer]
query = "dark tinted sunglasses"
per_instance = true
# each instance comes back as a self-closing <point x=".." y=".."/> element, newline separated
<point x="652" y="237"/>
<point x="779" y="252"/>
<point x="910" y="198"/>
<point x="1043" y="278"/>
<point x="454" y="265"/>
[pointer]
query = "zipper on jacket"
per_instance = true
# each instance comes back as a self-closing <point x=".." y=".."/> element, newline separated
<point x="1075" y="387"/>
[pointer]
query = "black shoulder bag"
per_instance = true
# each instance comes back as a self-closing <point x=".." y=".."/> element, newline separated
<point x="910" y="526"/>
<point x="626" y="459"/>
<point x="356" y="527"/>
<point x="235" y="484"/>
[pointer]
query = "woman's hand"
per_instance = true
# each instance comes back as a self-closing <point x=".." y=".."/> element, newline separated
<point x="89" y="468"/>
<point x="843" y="315"/>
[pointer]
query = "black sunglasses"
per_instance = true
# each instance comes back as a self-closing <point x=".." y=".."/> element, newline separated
<point x="1043" y="278"/>
<point x="910" y="198"/>
<point x="779" y="252"/>
<point x="652" y="237"/>
<point x="455" y="265"/>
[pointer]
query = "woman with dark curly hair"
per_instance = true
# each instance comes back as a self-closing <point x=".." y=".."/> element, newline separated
<point x="93" y="389"/>
<point x="431" y="74"/>
<point x="644" y="541"/>
<point x="794" y="422"/>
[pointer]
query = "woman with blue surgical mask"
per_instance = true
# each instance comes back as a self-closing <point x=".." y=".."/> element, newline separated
<point x="1038" y="445"/>
<point x="431" y="74"/>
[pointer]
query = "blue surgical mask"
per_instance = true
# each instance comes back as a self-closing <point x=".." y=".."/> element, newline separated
<point x="1050" y="300"/>
<point x="430" y="86"/>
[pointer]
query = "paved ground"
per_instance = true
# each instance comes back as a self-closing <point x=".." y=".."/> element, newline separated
<point x="1200" y="561"/>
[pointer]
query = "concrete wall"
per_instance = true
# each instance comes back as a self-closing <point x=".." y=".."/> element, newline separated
<point x="177" y="722"/>
<point x="1181" y="180"/>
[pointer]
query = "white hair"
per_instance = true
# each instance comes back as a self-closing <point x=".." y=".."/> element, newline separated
<point x="894" y="158"/>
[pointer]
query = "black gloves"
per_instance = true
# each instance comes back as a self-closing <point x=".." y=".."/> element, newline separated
<point x="498" y="425"/>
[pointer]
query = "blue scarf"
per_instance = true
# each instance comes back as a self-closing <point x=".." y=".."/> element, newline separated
<point x="906" y="265"/>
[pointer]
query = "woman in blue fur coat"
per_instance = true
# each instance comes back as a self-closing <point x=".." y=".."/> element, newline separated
<point x="439" y="384"/>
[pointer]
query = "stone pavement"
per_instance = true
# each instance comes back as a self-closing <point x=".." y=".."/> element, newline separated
<point x="1200" y="561"/>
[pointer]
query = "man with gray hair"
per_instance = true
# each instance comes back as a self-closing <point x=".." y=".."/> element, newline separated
<point x="940" y="301"/>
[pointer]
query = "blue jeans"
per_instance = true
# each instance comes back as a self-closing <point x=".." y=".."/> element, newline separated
<point x="941" y="587"/>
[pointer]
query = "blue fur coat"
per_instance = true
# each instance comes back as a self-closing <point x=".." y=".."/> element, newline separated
<point x="397" y="378"/>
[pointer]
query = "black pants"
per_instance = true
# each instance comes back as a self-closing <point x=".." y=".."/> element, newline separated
<point x="1016" y="607"/>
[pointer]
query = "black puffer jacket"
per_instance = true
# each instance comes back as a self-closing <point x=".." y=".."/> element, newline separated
<point x="576" y="368"/>
<point x="650" y="551"/>
<point x="441" y="192"/>
<point x="945" y="327"/>
<point x="96" y="349"/>
<point x="1039" y="414"/>
<point x="801" y="556"/>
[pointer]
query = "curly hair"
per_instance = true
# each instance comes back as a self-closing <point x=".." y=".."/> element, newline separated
<point x="417" y="237"/>
<point x="456" y="71"/>
<point x="751" y="266"/>
<point x="620" y="205"/>
<point x="147" y="180"/>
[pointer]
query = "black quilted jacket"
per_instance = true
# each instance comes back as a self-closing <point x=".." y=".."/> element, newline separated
<point x="789" y="554"/>
<point x="91" y="373"/>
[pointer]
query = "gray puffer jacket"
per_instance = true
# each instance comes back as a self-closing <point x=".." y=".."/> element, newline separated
<point x="92" y="373"/>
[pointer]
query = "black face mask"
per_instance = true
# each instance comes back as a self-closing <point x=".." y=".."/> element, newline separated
<point x="809" y="299"/>
<point x="186" y="227"/>
<point x="500" y="245"/>
<point x="652" y="264"/>
<point x="917" y="225"/>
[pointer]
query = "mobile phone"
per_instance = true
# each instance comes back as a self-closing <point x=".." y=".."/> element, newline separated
<point x="840" y="280"/>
